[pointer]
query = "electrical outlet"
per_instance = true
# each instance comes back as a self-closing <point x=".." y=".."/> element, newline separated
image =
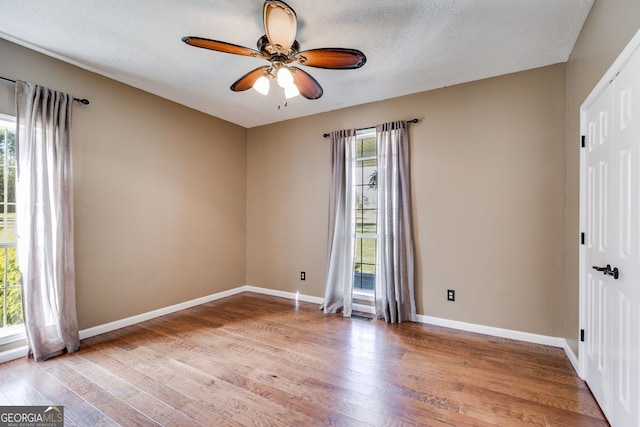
<point x="451" y="295"/>
<point x="303" y="275"/>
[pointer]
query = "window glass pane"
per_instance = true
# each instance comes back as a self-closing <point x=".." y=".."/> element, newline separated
<point x="11" y="185"/>
<point x="10" y="291"/>
<point x="8" y="224"/>
<point x="359" y="197"/>
<point x="369" y="269"/>
<point x="11" y="148"/>
<point x="367" y="222"/>
<point x="2" y="189"/>
<point x="13" y="274"/>
<point x="366" y="201"/>
<point x="3" y="138"/>
<point x="368" y="147"/>
<point x="369" y="251"/>
<point x="358" y="176"/>
<point x="366" y="173"/>
<point x="2" y="291"/>
<point x="364" y="280"/>
<point x="358" y="147"/>
<point x="369" y="198"/>
<point x="371" y="175"/>
<point x="359" y="214"/>
<point x="366" y="250"/>
<point x="14" y="306"/>
<point x="357" y="278"/>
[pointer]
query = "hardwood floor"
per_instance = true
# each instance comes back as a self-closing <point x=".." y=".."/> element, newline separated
<point x="252" y="359"/>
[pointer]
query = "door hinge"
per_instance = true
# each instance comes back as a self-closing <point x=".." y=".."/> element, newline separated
<point x="582" y="238"/>
<point x="583" y="141"/>
<point x="582" y="335"/>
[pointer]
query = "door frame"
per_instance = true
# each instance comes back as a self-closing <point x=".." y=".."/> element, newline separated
<point x="605" y="81"/>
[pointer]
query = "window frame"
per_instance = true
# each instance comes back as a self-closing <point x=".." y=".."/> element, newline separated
<point x="8" y="334"/>
<point x="359" y="293"/>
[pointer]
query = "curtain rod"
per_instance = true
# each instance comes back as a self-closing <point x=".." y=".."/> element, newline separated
<point x="83" y="101"/>
<point x="326" y="135"/>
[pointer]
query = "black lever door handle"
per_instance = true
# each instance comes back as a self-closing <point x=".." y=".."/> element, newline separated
<point x="608" y="271"/>
<point x="615" y="273"/>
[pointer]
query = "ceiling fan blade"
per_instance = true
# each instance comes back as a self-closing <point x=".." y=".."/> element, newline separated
<point x="246" y="82"/>
<point x="307" y="85"/>
<point x="280" y="23"/>
<point x="334" y="58"/>
<point x="220" y="46"/>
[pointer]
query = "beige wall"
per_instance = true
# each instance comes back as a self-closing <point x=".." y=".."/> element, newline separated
<point x="488" y="182"/>
<point x="609" y="27"/>
<point x="166" y="197"/>
<point x="160" y="193"/>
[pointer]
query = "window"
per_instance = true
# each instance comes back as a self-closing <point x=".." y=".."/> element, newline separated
<point x="366" y="213"/>
<point x="370" y="227"/>
<point x="11" y="319"/>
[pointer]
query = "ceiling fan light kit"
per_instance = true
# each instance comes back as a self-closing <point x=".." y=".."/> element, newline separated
<point x="291" y="91"/>
<point x="262" y="85"/>
<point x="284" y="77"/>
<point x="280" y="47"/>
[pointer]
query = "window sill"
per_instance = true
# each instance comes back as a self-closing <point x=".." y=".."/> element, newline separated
<point x="363" y="295"/>
<point x="12" y="334"/>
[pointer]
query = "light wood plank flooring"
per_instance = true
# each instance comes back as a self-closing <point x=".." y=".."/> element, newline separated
<point x="252" y="359"/>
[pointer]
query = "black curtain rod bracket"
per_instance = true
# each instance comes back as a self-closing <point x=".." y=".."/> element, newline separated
<point x="327" y="135"/>
<point x="82" y="101"/>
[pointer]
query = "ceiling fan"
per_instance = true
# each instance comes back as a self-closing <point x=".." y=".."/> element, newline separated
<point x="280" y="47"/>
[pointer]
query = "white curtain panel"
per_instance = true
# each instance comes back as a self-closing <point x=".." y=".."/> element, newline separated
<point x="341" y="238"/>
<point x="394" y="284"/>
<point x="45" y="220"/>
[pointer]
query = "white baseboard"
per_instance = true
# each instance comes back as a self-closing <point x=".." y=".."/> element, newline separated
<point x="112" y="326"/>
<point x="16" y="353"/>
<point x="496" y="332"/>
<point x="289" y="295"/>
<point x="573" y="358"/>
<point x="19" y="352"/>
<point x="508" y="333"/>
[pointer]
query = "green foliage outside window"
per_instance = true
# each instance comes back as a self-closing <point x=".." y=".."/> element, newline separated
<point x="10" y="290"/>
<point x="11" y="295"/>
<point x="8" y="145"/>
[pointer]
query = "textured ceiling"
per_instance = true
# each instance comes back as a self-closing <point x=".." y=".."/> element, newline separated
<point x="411" y="46"/>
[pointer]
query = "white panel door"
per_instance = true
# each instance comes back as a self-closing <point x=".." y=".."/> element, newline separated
<point x="612" y="252"/>
<point x="599" y="321"/>
<point x="626" y="290"/>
